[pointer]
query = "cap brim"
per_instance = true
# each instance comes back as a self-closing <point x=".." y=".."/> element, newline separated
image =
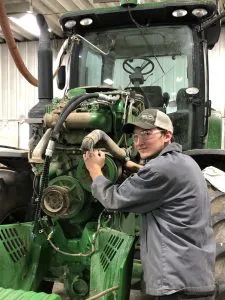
<point x="129" y="127"/>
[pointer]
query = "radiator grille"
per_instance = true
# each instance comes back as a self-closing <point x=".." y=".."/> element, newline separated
<point x="13" y="244"/>
<point x="110" y="249"/>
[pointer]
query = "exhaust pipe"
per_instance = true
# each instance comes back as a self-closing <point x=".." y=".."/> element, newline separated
<point x="45" y="77"/>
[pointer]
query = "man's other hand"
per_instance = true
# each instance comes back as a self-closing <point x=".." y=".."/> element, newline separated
<point x="94" y="162"/>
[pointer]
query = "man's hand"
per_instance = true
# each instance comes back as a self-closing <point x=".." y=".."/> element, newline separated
<point x="132" y="166"/>
<point x="94" y="162"/>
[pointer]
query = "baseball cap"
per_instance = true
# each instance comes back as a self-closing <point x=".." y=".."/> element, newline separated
<point x="148" y="119"/>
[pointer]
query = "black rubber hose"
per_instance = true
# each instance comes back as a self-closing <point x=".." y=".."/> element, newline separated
<point x="44" y="183"/>
<point x="30" y="215"/>
<point x="70" y="106"/>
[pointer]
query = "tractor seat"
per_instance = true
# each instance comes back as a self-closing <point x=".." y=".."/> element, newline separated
<point x="182" y="99"/>
<point x="154" y="96"/>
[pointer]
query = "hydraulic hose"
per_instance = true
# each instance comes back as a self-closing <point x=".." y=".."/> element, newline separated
<point x="97" y="135"/>
<point x="44" y="183"/>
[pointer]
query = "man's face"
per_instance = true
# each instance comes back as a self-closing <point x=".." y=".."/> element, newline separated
<point x="150" y="142"/>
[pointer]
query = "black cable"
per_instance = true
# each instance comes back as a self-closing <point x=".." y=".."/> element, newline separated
<point x="44" y="183"/>
<point x="140" y="27"/>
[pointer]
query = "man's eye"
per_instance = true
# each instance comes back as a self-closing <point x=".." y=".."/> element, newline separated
<point x="147" y="132"/>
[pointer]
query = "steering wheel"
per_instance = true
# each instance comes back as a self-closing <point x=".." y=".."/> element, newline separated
<point x="126" y="65"/>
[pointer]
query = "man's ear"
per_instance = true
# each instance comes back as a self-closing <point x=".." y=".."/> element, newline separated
<point x="168" y="136"/>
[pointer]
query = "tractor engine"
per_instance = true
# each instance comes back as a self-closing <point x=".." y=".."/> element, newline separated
<point x="63" y="207"/>
<point x="95" y="124"/>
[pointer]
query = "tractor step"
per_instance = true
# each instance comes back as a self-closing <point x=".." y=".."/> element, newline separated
<point x="9" y="294"/>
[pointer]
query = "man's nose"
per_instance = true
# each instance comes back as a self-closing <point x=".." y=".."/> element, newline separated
<point x="138" y="141"/>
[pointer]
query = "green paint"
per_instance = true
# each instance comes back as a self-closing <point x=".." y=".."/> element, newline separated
<point x="214" y="137"/>
<point x="111" y="263"/>
<point x="101" y="120"/>
<point x="75" y="92"/>
<point x="23" y="259"/>
<point x="128" y="2"/>
<point x="10" y="294"/>
<point x="109" y="170"/>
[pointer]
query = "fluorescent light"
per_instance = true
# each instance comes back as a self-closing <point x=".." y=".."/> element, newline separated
<point x="28" y="23"/>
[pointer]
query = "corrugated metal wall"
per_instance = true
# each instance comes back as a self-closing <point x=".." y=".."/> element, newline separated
<point x="17" y="96"/>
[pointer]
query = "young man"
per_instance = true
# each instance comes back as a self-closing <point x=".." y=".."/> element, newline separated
<point x="170" y="192"/>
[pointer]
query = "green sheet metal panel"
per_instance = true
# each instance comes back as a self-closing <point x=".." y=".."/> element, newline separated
<point x="111" y="264"/>
<point x="214" y="137"/>
<point x="9" y="294"/>
<point x="23" y="259"/>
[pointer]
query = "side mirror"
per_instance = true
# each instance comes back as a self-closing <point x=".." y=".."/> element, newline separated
<point x="61" y="77"/>
<point x="192" y="91"/>
<point x="193" y="95"/>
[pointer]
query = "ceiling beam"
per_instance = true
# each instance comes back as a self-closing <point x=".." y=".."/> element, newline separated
<point x="81" y="4"/>
<point x="69" y="5"/>
<point x="52" y="20"/>
<point x="15" y="8"/>
<point x="20" y="31"/>
<point x="94" y="5"/>
<point x="16" y="36"/>
<point x="105" y="3"/>
<point x="55" y="7"/>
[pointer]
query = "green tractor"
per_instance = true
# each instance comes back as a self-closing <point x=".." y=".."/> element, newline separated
<point x="115" y="63"/>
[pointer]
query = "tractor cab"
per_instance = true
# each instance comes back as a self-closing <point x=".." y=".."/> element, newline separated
<point x="158" y="51"/>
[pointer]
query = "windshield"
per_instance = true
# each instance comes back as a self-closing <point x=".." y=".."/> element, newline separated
<point x="150" y="57"/>
<point x="158" y="61"/>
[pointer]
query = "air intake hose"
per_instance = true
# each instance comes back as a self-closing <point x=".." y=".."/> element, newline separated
<point x="98" y="135"/>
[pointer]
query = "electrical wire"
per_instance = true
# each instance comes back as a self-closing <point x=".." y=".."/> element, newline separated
<point x="97" y="296"/>
<point x="93" y="244"/>
<point x="140" y="27"/>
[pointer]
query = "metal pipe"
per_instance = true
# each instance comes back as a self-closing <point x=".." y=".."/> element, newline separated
<point x="38" y="152"/>
<point x="98" y="135"/>
<point x="45" y="77"/>
<point x="78" y="120"/>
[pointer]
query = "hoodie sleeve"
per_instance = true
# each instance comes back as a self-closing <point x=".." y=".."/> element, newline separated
<point x="140" y="193"/>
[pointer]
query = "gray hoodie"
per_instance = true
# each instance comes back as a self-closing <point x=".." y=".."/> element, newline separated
<point x="177" y="244"/>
